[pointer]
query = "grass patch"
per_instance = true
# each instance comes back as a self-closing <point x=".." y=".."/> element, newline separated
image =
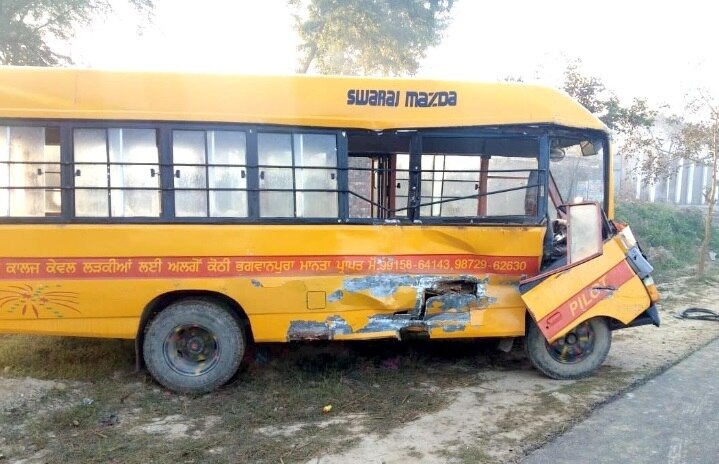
<point x="64" y="358"/>
<point x="670" y="236"/>
<point x="710" y="278"/>
<point x="461" y="453"/>
<point x="272" y="412"/>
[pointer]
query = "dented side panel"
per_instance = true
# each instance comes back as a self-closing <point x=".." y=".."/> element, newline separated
<point x="604" y="286"/>
<point x="440" y="306"/>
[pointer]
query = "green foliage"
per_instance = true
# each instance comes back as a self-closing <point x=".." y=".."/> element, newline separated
<point x="635" y="133"/>
<point x="593" y="95"/>
<point x="587" y="90"/>
<point x="387" y="37"/>
<point x="698" y="140"/>
<point x="30" y="28"/>
<point x="670" y="236"/>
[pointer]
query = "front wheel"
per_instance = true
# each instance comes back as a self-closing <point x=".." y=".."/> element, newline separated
<point x="193" y="346"/>
<point x="578" y="354"/>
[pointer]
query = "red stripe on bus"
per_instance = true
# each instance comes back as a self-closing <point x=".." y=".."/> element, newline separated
<point x="251" y="266"/>
<point x="585" y="299"/>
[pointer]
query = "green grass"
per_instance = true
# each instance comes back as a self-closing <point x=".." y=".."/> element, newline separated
<point x="670" y="236"/>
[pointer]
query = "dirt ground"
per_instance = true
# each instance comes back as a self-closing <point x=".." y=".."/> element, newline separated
<point x="511" y="413"/>
<point x="462" y="408"/>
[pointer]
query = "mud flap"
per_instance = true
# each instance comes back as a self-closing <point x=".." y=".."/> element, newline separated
<point x="604" y="285"/>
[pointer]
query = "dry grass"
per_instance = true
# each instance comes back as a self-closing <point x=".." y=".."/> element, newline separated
<point x="64" y="358"/>
<point x="378" y="385"/>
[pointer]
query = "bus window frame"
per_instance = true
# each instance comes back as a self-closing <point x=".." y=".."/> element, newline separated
<point x="485" y="172"/>
<point x="164" y="131"/>
<point x="589" y="134"/>
<point x="538" y="133"/>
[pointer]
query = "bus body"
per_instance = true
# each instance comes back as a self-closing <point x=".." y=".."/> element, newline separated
<point x="199" y="213"/>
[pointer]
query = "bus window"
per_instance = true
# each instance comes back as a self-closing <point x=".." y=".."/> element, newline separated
<point x="401" y="185"/>
<point x="373" y="186"/>
<point x="29" y="171"/>
<point x="188" y="156"/>
<point x="378" y="174"/>
<point x="450" y="185"/>
<point x="376" y="189"/>
<point x="276" y="183"/>
<point x="316" y="163"/>
<point x="476" y="176"/>
<point x="578" y="169"/>
<point x="362" y="179"/>
<point x="227" y="173"/>
<point x="298" y="175"/>
<point x="116" y="173"/>
<point x="210" y="173"/>
<point x="509" y="177"/>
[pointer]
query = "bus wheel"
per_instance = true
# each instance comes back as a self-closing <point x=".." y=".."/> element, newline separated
<point x="578" y="354"/>
<point x="193" y="346"/>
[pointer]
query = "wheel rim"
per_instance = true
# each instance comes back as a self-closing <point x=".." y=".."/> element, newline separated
<point x="191" y="350"/>
<point x="575" y="346"/>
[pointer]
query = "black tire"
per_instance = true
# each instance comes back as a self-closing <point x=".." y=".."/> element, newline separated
<point x="194" y="346"/>
<point x="578" y="354"/>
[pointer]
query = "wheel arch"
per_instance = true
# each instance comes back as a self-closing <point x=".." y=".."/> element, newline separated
<point x="160" y="302"/>
<point x="610" y="316"/>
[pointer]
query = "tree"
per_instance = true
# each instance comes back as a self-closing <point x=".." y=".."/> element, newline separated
<point x="656" y="142"/>
<point x="633" y="126"/>
<point x="587" y="90"/>
<point x="591" y="92"/>
<point x="699" y="142"/>
<point x="30" y="29"/>
<point x="386" y="37"/>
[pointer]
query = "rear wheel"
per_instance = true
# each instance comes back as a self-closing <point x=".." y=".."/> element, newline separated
<point x="193" y="346"/>
<point x="578" y="354"/>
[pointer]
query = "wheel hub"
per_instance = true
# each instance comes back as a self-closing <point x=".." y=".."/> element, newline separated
<point x="196" y="345"/>
<point x="575" y="346"/>
<point x="191" y="350"/>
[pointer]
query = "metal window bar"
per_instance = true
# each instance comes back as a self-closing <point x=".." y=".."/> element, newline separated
<point x="107" y="161"/>
<point x="441" y="182"/>
<point x="294" y="174"/>
<point x="443" y="199"/>
<point x="206" y="138"/>
<point x="372" y="170"/>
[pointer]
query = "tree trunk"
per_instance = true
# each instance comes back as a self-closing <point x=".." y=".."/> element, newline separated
<point x="305" y="65"/>
<point x="711" y="200"/>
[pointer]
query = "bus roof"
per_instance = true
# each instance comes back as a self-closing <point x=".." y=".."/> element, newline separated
<point x="321" y="101"/>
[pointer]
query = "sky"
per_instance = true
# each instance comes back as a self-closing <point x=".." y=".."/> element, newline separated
<point x="658" y="50"/>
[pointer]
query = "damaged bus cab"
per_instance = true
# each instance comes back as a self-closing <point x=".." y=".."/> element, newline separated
<point x="198" y="213"/>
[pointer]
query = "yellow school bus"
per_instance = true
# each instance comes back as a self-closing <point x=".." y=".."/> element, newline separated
<point x="197" y="214"/>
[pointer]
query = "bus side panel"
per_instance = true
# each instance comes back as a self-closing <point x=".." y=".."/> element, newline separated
<point x="69" y="279"/>
<point x="275" y="306"/>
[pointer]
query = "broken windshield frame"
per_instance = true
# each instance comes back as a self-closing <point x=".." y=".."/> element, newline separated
<point x="579" y="168"/>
